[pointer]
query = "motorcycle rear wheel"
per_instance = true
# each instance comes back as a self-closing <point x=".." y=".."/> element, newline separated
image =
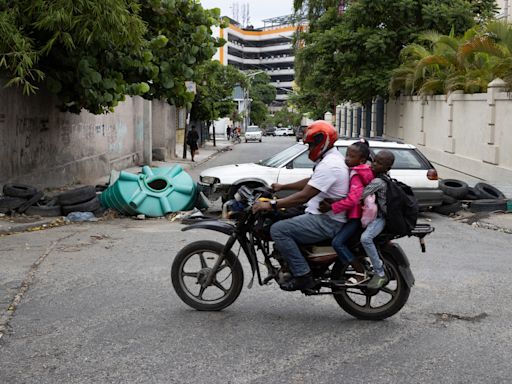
<point x="366" y="304"/>
<point x="191" y="267"/>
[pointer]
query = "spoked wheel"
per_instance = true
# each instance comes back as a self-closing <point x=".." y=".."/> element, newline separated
<point x="190" y="270"/>
<point x="367" y="304"/>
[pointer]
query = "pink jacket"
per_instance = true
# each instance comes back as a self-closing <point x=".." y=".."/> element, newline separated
<point x="360" y="176"/>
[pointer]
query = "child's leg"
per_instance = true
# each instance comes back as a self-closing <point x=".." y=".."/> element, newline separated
<point x="338" y="243"/>
<point x="373" y="229"/>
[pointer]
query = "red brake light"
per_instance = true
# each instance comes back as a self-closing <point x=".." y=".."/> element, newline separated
<point x="432" y="174"/>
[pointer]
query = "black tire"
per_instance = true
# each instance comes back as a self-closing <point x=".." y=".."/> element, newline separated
<point x="447" y="209"/>
<point x="454" y="188"/>
<point x="88" y="206"/>
<point x="200" y="303"/>
<point x="347" y="298"/>
<point x="448" y="199"/>
<point x="77" y="195"/>
<point x="487" y="191"/>
<point x="9" y="203"/>
<point x="488" y="205"/>
<point x="471" y="194"/>
<point x="34" y="199"/>
<point x="44" y="210"/>
<point x="19" y="190"/>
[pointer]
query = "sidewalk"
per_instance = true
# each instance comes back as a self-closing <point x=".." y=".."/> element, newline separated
<point x="17" y="224"/>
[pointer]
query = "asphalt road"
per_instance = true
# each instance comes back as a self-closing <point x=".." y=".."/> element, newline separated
<point x="100" y="309"/>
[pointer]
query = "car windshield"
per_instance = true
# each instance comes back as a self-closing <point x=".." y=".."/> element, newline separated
<point x="252" y="129"/>
<point x="284" y="156"/>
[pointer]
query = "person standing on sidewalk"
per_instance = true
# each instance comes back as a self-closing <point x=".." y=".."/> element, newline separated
<point x="228" y="132"/>
<point x="192" y="137"/>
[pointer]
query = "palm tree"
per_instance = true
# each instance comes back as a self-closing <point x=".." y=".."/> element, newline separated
<point x="448" y="63"/>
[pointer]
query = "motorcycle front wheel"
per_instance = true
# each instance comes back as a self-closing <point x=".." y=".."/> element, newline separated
<point x="366" y="304"/>
<point x="190" y="270"/>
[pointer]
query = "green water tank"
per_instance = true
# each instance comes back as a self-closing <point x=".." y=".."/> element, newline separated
<point x="154" y="192"/>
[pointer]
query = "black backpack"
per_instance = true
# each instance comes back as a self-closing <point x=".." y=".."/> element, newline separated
<point x="402" y="208"/>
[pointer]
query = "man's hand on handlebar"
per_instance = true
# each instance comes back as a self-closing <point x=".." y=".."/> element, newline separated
<point x="276" y="187"/>
<point x="261" y="206"/>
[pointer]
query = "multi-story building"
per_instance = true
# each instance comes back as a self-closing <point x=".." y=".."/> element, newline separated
<point x="504" y="10"/>
<point x="269" y="49"/>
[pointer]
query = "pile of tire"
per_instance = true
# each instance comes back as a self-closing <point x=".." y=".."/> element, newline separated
<point x="482" y="197"/>
<point x="26" y="199"/>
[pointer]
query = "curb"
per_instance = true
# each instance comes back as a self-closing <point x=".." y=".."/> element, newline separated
<point x="23" y="227"/>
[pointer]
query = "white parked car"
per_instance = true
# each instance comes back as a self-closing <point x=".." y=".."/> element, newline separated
<point x="284" y="132"/>
<point x="293" y="164"/>
<point x="253" y="133"/>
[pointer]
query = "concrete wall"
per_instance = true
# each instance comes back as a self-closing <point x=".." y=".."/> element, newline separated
<point x="164" y="121"/>
<point x="40" y="145"/>
<point x="468" y="134"/>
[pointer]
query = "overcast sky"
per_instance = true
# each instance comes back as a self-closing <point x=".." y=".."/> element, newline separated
<point x="258" y="9"/>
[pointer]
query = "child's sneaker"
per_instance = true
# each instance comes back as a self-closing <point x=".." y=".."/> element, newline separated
<point x="377" y="282"/>
<point x="356" y="279"/>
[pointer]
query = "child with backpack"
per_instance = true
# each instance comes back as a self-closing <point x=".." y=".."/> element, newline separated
<point x="360" y="175"/>
<point x="381" y="165"/>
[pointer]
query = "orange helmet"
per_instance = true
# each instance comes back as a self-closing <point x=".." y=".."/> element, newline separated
<point x="320" y="136"/>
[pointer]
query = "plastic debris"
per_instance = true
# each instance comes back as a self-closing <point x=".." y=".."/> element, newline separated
<point x="81" y="216"/>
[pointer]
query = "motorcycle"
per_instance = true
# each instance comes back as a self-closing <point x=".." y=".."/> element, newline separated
<point x="208" y="275"/>
<point x="235" y="138"/>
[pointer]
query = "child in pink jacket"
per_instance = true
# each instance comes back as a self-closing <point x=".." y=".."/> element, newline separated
<point x="360" y="175"/>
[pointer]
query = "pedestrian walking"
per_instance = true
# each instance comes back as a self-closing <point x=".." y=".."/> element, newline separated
<point x="228" y="132"/>
<point x="192" y="137"/>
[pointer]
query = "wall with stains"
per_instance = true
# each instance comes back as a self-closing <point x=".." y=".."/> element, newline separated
<point x="42" y="146"/>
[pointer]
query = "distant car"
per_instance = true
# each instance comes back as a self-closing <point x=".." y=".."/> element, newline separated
<point x="253" y="133"/>
<point x="284" y="132"/>
<point x="293" y="164"/>
<point x="270" y="131"/>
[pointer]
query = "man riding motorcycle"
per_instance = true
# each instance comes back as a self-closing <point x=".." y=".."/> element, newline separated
<point x="330" y="179"/>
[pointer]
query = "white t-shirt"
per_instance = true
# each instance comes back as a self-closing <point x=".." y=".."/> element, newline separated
<point x="331" y="178"/>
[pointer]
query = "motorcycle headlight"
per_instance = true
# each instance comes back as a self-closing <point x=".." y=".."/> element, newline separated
<point x="209" y="180"/>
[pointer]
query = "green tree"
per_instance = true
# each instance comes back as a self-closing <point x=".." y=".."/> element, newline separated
<point x="349" y="55"/>
<point x="215" y="84"/>
<point x="93" y="53"/>
<point x="262" y="94"/>
<point x="440" y="64"/>
<point x="286" y="117"/>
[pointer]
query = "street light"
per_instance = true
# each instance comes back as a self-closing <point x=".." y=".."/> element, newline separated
<point x="247" y="100"/>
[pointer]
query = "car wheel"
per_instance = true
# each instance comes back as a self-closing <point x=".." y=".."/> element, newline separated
<point x="487" y="191"/>
<point x="453" y="188"/>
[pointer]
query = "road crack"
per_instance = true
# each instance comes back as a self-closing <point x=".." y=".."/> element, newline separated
<point x="25" y="285"/>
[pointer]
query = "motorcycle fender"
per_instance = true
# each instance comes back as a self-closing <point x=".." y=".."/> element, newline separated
<point x="213" y="225"/>
<point x="395" y="252"/>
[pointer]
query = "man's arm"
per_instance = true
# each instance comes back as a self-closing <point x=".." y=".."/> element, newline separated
<point x="293" y="200"/>
<point x="298" y="198"/>
<point x="296" y="186"/>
